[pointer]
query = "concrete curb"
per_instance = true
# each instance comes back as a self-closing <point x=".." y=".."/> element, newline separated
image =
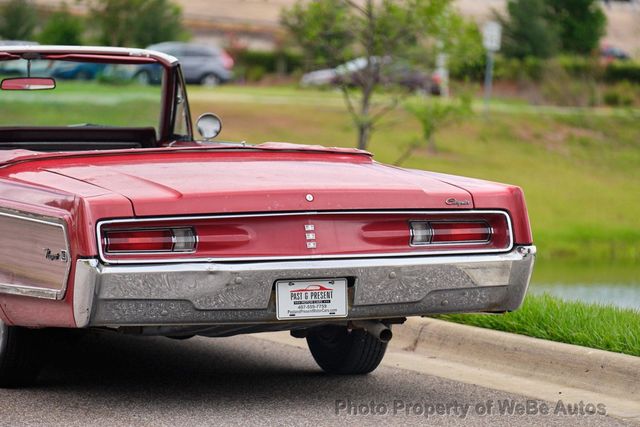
<point x="597" y="371"/>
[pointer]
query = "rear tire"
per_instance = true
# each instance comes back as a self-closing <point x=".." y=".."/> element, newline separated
<point x="210" y="80"/>
<point x="143" y="77"/>
<point x="19" y="362"/>
<point x="338" y="350"/>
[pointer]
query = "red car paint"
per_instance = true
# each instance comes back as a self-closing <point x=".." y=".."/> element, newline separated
<point x="83" y="188"/>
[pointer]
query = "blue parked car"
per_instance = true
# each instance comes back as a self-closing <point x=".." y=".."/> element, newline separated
<point x="77" y="71"/>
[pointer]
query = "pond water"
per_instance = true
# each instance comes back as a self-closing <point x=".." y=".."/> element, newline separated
<point x="610" y="283"/>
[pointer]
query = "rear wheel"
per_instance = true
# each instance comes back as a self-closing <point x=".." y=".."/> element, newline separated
<point x="83" y="75"/>
<point x="143" y="77"/>
<point x="210" y="80"/>
<point x="18" y="356"/>
<point x="339" y="350"/>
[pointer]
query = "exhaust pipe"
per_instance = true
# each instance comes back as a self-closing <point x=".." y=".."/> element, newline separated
<point x="375" y="328"/>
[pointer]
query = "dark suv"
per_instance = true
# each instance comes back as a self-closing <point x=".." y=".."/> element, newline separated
<point x="206" y="65"/>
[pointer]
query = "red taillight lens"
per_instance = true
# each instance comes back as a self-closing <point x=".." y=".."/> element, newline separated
<point x="153" y="240"/>
<point x="227" y="61"/>
<point x="446" y="232"/>
<point x="463" y="232"/>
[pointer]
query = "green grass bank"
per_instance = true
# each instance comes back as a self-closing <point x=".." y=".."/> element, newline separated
<point x="543" y="316"/>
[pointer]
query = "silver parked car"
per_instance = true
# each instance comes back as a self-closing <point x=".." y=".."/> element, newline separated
<point x="202" y="64"/>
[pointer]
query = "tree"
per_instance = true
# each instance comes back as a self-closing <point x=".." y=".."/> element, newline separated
<point x="379" y="31"/>
<point x="581" y="24"/>
<point x="323" y="30"/>
<point x="136" y="23"/>
<point x="62" y="28"/>
<point x="18" y="20"/>
<point x="433" y="115"/>
<point x="528" y="31"/>
<point x="541" y="28"/>
<point x="157" y="21"/>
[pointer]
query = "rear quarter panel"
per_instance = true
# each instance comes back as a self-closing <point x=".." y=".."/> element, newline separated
<point x="23" y="258"/>
<point x="493" y="195"/>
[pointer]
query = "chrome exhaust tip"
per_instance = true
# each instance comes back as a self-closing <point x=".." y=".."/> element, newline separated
<point x="375" y="328"/>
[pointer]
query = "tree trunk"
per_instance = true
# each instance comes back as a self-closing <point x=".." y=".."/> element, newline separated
<point x="404" y="156"/>
<point x="431" y="144"/>
<point x="364" y="132"/>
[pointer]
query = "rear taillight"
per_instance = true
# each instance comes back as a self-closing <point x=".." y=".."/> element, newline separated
<point x="150" y="240"/>
<point x="449" y="232"/>
<point x="227" y="60"/>
<point x="303" y="235"/>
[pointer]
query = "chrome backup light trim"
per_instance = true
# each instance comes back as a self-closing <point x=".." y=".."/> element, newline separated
<point x="189" y="238"/>
<point x="36" y="291"/>
<point x="459" y="242"/>
<point x="103" y="258"/>
<point x="412" y="233"/>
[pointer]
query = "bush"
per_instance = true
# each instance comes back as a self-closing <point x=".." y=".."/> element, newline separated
<point x="526" y="69"/>
<point x="18" y="19"/>
<point x="620" y="95"/>
<point x="622" y="71"/>
<point x="255" y="73"/>
<point x="264" y="62"/>
<point x="534" y="69"/>
<point x="468" y="70"/>
<point x="581" y="66"/>
<point x="62" y="28"/>
<point x="561" y="88"/>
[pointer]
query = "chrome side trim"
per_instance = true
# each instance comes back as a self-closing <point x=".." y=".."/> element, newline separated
<point x="104" y="259"/>
<point x="37" y="291"/>
<point x="30" y="291"/>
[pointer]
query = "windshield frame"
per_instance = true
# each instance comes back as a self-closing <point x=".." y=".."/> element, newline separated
<point x="170" y="83"/>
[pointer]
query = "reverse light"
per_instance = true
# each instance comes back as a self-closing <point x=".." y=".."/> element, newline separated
<point x="150" y="240"/>
<point x="449" y="232"/>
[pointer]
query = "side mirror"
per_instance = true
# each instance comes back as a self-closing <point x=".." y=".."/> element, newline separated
<point x="28" y="83"/>
<point x="209" y="125"/>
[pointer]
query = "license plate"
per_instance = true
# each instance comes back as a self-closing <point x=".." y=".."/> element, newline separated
<point x="311" y="299"/>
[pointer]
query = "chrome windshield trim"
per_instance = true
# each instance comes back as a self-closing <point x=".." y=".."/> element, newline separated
<point x="104" y="259"/>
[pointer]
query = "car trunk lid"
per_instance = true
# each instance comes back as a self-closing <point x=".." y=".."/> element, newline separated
<point x="201" y="182"/>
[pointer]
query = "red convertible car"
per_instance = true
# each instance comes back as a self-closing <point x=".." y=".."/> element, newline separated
<point x="113" y="216"/>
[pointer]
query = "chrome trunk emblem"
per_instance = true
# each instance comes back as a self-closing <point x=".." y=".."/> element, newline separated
<point x="310" y="236"/>
<point x="452" y="201"/>
<point x="62" y="255"/>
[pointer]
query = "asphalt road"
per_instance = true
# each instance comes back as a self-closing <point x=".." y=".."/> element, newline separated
<point x="108" y="379"/>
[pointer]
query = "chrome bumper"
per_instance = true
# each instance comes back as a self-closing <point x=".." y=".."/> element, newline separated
<point x="243" y="293"/>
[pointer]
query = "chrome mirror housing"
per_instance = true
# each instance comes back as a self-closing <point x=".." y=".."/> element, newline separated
<point x="209" y="125"/>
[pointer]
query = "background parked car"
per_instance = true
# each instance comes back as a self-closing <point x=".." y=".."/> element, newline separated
<point x="611" y="53"/>
<point x="18" y="43"/>
<point x="77" y="71"/>
<point x="202" y="64"/>
<point x="59" y="69"/>
<point x="393" y="73"/>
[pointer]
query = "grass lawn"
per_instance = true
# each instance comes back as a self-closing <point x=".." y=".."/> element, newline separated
<point x="580" y="171"/>
<point x="543" y="316"/>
